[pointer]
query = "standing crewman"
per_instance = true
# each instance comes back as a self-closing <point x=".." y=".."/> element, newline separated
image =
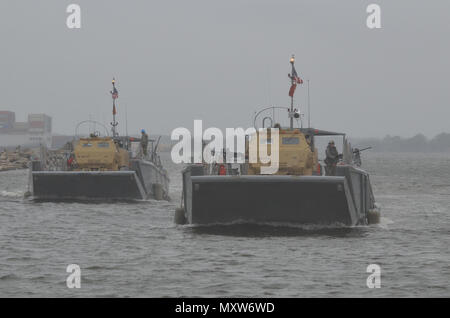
<point x="331" y="160"/>
<point x="144" y="142"/>
<point x="70" y="162"/>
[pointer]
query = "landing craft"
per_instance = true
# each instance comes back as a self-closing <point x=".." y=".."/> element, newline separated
<point x="100" y="167"/>
<point x="298" y="193"/>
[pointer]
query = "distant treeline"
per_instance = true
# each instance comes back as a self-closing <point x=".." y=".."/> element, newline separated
<point x="418" y="143"/>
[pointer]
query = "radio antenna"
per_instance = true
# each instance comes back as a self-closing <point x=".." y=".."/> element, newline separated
<point x="309" y="108"/>
<point x="126" y="120"/>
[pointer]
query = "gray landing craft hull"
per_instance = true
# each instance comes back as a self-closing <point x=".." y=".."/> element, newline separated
<point x="135" y="184"/>
<point x="342" y="199"/>
<point x="87" y="185"/>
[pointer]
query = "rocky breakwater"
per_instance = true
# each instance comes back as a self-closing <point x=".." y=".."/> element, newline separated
<point x="15" y="159"/>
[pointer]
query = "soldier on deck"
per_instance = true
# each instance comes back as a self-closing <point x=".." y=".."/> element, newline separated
<point x="331" y="160"/>
<point x="144" y="142"/>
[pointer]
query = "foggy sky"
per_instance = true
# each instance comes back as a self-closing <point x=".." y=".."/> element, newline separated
<point x="176" y="61"/>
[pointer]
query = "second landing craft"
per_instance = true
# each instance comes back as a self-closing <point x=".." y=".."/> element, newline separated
<point x="110" y="167"/>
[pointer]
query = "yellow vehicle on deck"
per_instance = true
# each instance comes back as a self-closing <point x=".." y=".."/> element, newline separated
<point x="100" y="154"/>
<point x="297" y="156"/>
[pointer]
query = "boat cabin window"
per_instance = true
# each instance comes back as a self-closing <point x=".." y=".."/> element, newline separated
<point x="291" y="141"/>
<point x="103" y="145"/>
<point x="87" y="144"/>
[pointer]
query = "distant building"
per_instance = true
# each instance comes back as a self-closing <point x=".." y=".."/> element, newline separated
<point x="7" y="121"/>
<point x="37" y="130"/>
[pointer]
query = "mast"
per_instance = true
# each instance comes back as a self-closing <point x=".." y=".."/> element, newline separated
<point x="114" y="95"/>
<point x="293" y="84"/>
<point x="295" y="79"/>
<point x="126" y="121"/>
<point x="309" y="108"/>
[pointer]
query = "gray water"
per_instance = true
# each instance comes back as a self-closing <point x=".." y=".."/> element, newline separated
<point x="135" y="249"/>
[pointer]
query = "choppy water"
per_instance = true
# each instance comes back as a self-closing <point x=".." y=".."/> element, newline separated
<point x="134" y="249"/>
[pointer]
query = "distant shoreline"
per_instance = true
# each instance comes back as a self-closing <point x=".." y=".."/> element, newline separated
<point x="418" y="143"/>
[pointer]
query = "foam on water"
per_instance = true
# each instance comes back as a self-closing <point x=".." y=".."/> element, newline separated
<point x="12" y="194"/>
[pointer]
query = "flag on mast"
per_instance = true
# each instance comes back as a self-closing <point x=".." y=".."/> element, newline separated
<point x="114" y="95"/>
<point x="114" y="92"/>
<point x="292" y="90"/>
<point x="295" y="79"/>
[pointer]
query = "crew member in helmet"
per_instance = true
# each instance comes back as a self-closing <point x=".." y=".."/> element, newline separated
<point x="332" y="158"/>
<point x="144" y="142"/>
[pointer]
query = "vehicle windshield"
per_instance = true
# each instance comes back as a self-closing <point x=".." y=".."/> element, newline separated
<point x="103" y="145"/>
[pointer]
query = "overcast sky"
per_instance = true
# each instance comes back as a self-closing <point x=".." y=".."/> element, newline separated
<point x="176" y="61"/>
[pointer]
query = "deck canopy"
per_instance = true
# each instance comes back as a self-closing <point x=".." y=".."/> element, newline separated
<point x="318" y="132"/>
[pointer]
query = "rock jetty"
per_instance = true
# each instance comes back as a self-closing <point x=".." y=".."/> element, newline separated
<point x="15" y="159"/>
